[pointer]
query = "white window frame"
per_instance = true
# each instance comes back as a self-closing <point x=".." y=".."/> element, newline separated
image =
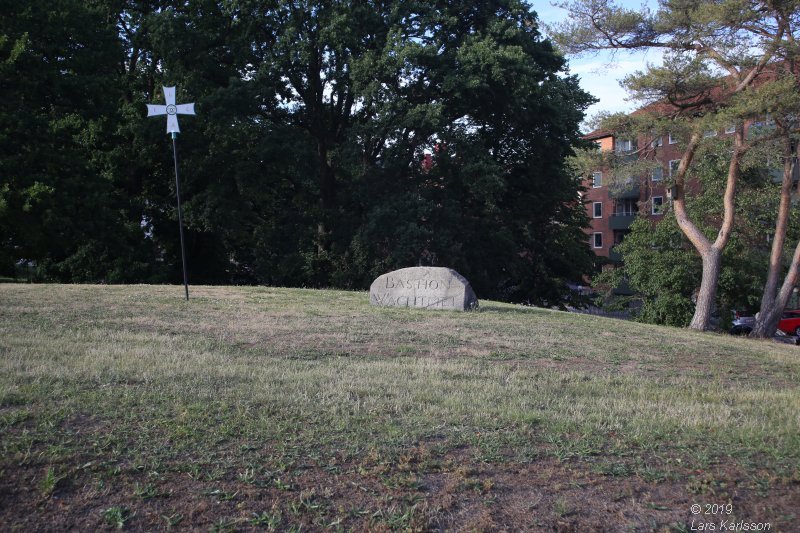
<point x="672" y="140"/>
<point x="625" y="207"/>
<point x="710" y="133"/>
<point x="653" y="174"/>
<point x="730" y="129"/>
<point x="624" y="145"/>
<point x="675" y="169"/>
<point x="658" y="141"/>
<point x="597" y="183"/>
<point x="660" y="206"/>
<point x="594" y="239"/>
<point x="595" y="205"/>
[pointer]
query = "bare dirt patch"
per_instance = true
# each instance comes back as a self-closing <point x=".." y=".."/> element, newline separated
<point x="424" y="491"/>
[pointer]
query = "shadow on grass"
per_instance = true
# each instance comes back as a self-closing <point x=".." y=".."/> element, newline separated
<point x="519" y="309"/>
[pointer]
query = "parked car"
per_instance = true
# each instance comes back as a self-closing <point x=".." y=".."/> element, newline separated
<point x="742" y="325"/>
<point x="790" y="322"/>
<point x="788" y="328"/>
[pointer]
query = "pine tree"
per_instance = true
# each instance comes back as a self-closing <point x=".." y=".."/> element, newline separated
<point x="718" y="58"/>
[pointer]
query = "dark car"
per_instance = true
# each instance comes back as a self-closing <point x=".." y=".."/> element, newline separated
<point x="742" y="325"/>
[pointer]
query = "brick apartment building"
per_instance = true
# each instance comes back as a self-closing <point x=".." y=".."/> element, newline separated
<point x="612" y="210"/>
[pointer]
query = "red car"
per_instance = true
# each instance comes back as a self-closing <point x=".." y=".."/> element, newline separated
<point x="790" y="322"/>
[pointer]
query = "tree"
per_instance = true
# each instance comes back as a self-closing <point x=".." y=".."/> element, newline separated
<point x="783" y="104"/>
<point x="476" y="86"/>
<point x="306" y="54"/>
<point x="700" y="40"/>
<point x="303" y="165"/>
<point x="662" y="267"/>
<point x="371" y="88"/>
<point x="58" y="203"/>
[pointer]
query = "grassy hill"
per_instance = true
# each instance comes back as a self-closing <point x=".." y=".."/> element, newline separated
<point x="124" y="406"/>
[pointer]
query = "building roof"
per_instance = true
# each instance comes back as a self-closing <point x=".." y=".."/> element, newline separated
<point x="598" y="134"/>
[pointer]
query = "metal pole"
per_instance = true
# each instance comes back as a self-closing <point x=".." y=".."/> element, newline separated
<point x="180" y="214"/>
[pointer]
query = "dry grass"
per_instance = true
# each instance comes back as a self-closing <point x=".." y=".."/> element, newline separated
<point x="135" y="379"/>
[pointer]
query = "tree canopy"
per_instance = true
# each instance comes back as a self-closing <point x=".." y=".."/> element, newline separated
<point x="333" y="141"/>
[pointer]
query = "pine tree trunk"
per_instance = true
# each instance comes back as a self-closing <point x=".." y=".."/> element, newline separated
<point x="772" y="303"/>
<point x="711" y="253"/>
<point x="712" y="265"/>
<point x="767" y="322"/>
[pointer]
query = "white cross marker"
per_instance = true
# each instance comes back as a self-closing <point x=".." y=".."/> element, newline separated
<point x="171" y="110"/>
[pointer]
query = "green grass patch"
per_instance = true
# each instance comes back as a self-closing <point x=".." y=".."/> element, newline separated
<point x="297" y="393"/>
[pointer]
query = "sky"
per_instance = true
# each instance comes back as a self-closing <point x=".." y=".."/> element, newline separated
<point x="600" y="74"/>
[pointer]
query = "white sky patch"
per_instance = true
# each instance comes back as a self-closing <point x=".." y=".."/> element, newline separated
<point x="602" y="79"/>
<point x="601" y="68"/>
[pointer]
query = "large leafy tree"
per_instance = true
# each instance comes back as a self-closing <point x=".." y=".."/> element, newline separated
<point x="367" y="89"/>
<point x="305" y="56"/>
<point x="476" y="86"/>
<point x="716" y="55"/>
<point x="304" y="163"/>
<point x="58" y="204"/>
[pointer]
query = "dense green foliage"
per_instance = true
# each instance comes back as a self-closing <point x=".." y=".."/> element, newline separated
<point x="58" y="206"/>
<point x="662" y="268"/>
<point x="303" y="165"/>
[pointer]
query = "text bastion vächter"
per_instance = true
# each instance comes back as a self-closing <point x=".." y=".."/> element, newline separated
<point x="424" y="287"/>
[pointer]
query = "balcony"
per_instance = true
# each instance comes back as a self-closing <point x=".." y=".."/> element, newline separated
<point x="621" y="221"/>
<point x="626" y="189"/>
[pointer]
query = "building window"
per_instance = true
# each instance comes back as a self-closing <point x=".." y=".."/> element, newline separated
<point x="597" y="209"/>
<point x="673" y="167"/>
<point x="597" y="240"/>
<point x="710" y="133"/>
<point x="626" y="207"/>
<point x="658" y="205"/>
<point x="624" y="145"/>
<point x="619" y="236"/>
<point x="597" y="179"/>
<point x="658" y="141"/>
<point x="657" y="174"/>
<point x="672" y="140"/>
<point x="730" y="129"/>
<point x="759" y="127"/>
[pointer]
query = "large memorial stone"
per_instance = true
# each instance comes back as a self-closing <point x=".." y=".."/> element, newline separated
<point x="426" y="287"/>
